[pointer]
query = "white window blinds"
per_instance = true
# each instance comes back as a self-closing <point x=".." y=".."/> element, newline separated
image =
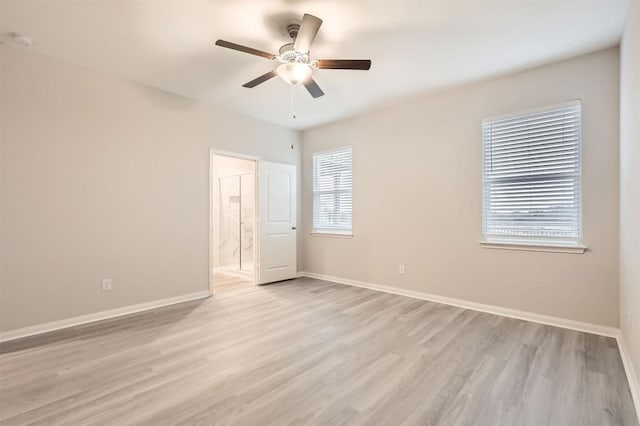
<point x="532" y="174"/>
<point x="332" y="191"/>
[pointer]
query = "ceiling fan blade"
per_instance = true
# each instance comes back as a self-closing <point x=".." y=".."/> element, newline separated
<point x="245" y="49"/>
<point x="344" y="64"/>
<point x="261" y="79"/>
<point x="307" y="32"/>
<point x="313" y="88"/>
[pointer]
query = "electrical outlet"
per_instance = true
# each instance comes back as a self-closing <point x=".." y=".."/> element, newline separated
<point x="106" y="284"/>
<point x="401" y="268"/>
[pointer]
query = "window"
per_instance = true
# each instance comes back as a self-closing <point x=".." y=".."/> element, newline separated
<point x="332" y="189"/>
<point x="531" y="177"/>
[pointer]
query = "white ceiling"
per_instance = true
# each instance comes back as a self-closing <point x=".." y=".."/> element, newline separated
<point x="415" y="45"/>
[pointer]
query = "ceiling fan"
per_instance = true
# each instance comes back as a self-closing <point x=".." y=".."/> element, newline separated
<point x="296" y="66"/>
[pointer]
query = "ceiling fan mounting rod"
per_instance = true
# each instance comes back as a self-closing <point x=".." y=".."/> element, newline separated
<point x="292" y="30"/>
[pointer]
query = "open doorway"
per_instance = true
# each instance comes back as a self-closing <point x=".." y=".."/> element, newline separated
<point x="233" y="222"/>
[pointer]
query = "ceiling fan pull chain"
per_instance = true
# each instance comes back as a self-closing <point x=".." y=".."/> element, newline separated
<point x="293" y="101"/>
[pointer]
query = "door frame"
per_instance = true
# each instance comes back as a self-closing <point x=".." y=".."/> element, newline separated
<point x="256" y="216"/>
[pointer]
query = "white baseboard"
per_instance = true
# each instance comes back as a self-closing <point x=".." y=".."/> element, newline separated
<point x="491" y="309"/>
<point x="98" y="316"/>
<point x="632" y="377"/>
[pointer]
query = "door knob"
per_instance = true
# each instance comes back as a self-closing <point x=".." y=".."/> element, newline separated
<point x="293" y="227"/>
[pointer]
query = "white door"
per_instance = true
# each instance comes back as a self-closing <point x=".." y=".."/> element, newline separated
<point x="277" y="222"/>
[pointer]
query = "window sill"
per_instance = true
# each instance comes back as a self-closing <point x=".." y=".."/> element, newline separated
<point x="330" y="234"/>
<point x="544" y="247"/>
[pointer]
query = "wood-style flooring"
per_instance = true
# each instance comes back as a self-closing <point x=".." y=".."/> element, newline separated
<point x="224" y="283"/>
<point x="317" y="353"/>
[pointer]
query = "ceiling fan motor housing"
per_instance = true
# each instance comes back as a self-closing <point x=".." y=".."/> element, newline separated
<point x="289" y="54"/>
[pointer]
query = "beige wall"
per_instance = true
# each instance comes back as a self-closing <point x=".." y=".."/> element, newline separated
<point x="417" y="196"/>
<point x="630" y="185"/>
<point x="103" y="178"/>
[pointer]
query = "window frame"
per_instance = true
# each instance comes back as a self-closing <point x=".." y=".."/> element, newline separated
<point x="535" y="243"/>
<point x="330" y="232"/>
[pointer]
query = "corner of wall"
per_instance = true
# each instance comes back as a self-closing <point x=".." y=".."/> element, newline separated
<point x="629" y="269"/>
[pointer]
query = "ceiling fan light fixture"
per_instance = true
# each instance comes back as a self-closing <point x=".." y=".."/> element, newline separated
<point x="294" y="72"/>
